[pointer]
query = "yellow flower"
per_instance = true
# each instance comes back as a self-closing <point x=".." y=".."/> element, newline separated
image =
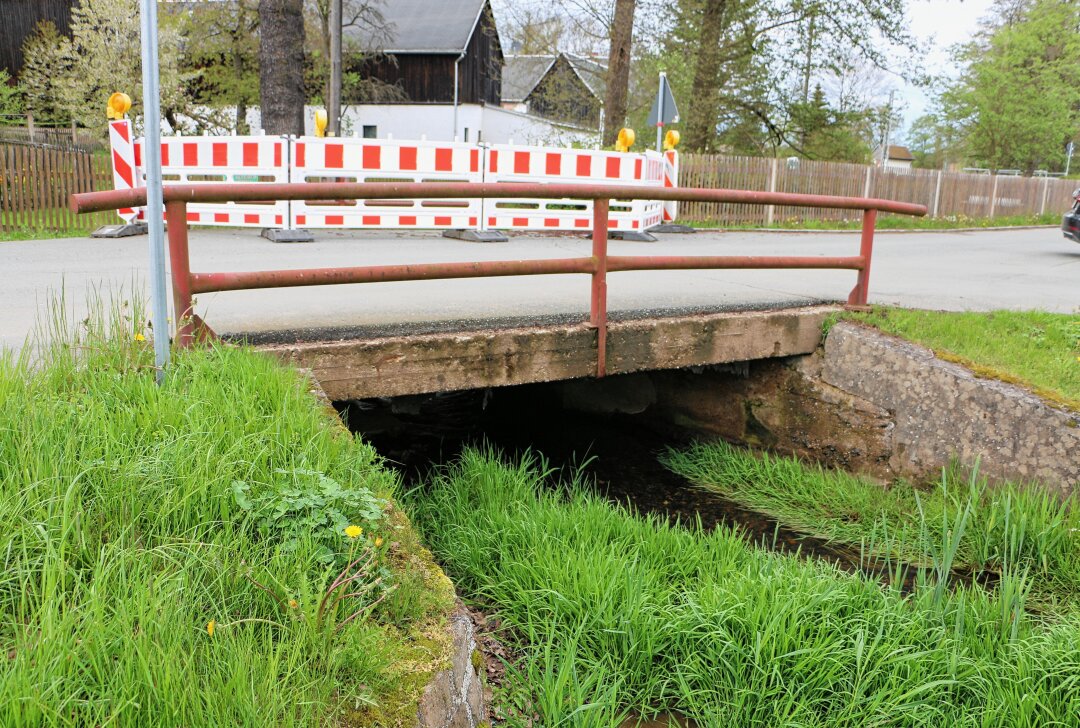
<point x="210" y="627"/>
<point x="353" y="531"/>
<point x="140" y="337"/>
<point x="293" y="604"/>
<point x="378" y="541"/>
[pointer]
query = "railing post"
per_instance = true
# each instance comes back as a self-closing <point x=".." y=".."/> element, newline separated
<point x="859" y="294"/>
<point x="598" y="308"/>
<point x="180" y="263"/>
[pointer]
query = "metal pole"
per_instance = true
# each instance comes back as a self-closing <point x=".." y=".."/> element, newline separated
<point x="152" y="160"/>
<point x="861" y="291"/>
<point x="333" y="103"/>
<point x="660" y="113"/>
<point x="176" y="214"/>
<point x="598" y="305"/>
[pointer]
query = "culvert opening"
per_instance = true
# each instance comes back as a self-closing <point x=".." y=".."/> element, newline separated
<point x="611" y="436"/>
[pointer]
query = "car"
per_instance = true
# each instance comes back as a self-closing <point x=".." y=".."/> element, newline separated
<point x="1070" y="224"/>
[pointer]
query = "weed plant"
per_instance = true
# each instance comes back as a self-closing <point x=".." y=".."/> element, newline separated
<point x="622" y="612"/>
<point x="959" y="520"/>
<point x="175" y="555"/>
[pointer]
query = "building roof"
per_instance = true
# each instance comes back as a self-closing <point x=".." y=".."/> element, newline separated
<point x="421" y="26"/>
<point x="900" y="154"/>
<point x="522" y="73"/>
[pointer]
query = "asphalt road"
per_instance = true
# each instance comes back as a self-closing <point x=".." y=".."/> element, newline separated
<point x="1015" y="269"/>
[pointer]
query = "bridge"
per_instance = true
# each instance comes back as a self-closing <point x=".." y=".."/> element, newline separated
<point x="468" y="357"/>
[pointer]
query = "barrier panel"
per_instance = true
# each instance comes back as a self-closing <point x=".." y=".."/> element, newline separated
<point x="507" y="163"/>
<point x="316" y="159"/>
<point x="276" y="160"/>
<point x="226" y="160"/>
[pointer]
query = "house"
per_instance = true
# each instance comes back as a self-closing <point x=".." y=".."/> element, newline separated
<point x="897" y="158"/>
<point x="566" y="88"/>
<point x="446" y="62"/>
<point x="20" y="18"/>
<point x="429" y="50"/>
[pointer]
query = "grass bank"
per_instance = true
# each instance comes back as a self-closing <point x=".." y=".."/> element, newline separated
<point x="896" y="222"/>
<point x="956" y="519"/>
<point x="1038" y="350"/>
<point x="171" y="553"/>
<point x="621" y="612"/>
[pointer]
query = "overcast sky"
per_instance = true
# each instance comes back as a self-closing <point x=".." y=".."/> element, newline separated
<point x="948" y="22"/>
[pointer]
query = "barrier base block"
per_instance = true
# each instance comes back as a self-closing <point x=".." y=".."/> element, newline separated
<point x="632" y="236"/>
<point x="120" y="231"/>
<point x="476" y="236"/>
<point x="281" y="235"/>
<point x="672" y="227"/>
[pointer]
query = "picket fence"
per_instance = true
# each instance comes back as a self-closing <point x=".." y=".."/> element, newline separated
<point x="945" y="194"/>
<point x="35" y="182"/>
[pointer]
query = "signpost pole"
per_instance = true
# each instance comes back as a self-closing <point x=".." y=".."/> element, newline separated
<point x="660" y="113"/>
<point x="1068" y="159"/>
<point x="154" y="207"/>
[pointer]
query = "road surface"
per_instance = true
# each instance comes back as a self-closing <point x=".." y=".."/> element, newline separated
<point x="1016" y="269"/>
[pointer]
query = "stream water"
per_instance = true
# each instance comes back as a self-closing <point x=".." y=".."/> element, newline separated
<point x="618" y="453"/>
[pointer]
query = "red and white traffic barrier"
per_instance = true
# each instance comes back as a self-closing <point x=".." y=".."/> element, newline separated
<point x="124" y="162"/>
<point x="316" y="159"/>
<point x="268" y="159"/>
<point x="209" y="160"/>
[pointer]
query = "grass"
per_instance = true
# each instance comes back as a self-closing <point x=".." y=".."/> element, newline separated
<point x="1006" y="527"/>
<point x="170" y="552"/>
<point x="893" y="222"/>
<point x="619" y="612"/>
<point x="1038" y="350"/>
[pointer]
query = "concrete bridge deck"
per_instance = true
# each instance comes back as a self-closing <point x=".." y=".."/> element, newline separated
<point x="493" y="357"/>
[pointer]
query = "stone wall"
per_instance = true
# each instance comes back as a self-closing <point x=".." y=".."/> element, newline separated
<point x="864" y="402"/>
<point x="455" y="697"/>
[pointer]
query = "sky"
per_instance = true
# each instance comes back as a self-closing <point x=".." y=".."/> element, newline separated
<point x="946" y="23"/>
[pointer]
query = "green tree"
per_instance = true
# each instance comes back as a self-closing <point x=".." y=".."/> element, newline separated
<point x="222" y="47"/>
<point x="11" y="101"/>
<point x="1017" y="102"/>
<point x="72" y="78"/>
<point x="826" y="133"/>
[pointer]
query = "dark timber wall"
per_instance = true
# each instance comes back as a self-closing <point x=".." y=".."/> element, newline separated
<point x="18" y="18"/>
<point x="429" y="77"/>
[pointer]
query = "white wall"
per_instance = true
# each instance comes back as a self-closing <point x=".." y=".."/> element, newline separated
<point x="491" y="124"/>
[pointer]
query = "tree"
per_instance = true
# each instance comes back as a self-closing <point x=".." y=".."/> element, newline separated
<point x="11" y="102"/>
<point x="72" y="78"/>
<point x="1017" y="101"/>
<point x="618" y="81"/>
<point x="223" y="47"/>
<point x="826" y="133"/>
<point x="281" y="66"/>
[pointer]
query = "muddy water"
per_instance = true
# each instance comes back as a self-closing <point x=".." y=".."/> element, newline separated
<point x="619" y="453"/>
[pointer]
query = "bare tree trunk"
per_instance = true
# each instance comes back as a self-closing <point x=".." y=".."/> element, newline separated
<point x="622" y="33"/>
<point x="705" y="93"/>
<point x="281" y="66"/>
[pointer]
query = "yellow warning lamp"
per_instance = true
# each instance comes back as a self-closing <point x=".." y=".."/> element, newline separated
<point x="118" y="105"/>
<point x="320" y="122"/>
<point x="625" y="140"/>
<point x="671" y="140"/>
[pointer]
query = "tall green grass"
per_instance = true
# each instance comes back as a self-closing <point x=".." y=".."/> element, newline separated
<point x="619" y="612"/>
<point x="138" y="589"/>
<point x="960" y="519"/>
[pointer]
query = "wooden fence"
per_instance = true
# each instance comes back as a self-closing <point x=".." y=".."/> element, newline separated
<point x="35" y="182"/>
<point x="945" y="194"/>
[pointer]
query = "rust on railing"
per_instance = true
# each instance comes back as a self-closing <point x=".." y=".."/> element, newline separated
<point x="186" y="284"/>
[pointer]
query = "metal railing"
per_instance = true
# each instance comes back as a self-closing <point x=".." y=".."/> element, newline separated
<point x="185" y="284"/>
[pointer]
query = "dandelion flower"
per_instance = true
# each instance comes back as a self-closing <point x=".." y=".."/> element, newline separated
<point x="353" y="531"/>
<point x="140" y="337"/>
<point x="378" y="541"/>
<point x="210" y="627"/>
<point x="293" y="604"/>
